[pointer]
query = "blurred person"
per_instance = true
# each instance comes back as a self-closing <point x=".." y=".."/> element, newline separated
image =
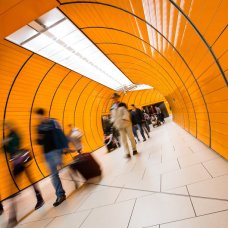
<point x="146" y="122"/>
<point x="134" y="129"/>
<point x="110" y="135"/>
<point x="1" y="208"/>
<point x="120" y="117"/>
<point x="75" y="137"/>
<point x="19" y="158"/>
<point x="160" y="114"/>
<point x="54" y="142"/>
<point x="138" y="119"/>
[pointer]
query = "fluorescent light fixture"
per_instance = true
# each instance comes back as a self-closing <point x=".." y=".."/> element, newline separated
<point x="134" y="87"/>
<point x="55" y="37"/>
<point x="141" y="87"/>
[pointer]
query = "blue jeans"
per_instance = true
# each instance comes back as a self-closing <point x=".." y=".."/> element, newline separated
<point x="134" y="129"/>
<point x="141" y="130"/>
<point x="54" y="158"/>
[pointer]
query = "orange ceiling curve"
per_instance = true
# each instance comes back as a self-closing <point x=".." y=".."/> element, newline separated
<point x="176" y="46"/>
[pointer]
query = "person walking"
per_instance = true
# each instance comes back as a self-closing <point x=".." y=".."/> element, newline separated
<point x="75" y="137"/>
<point x="1" y="208"/>
<point x="138" y="119"/>
<point x="147" y="120"/>
<point x="120" y="117"/>
<point x="20" y="159"/>
<point x="54" y="142"/>
<point x="159" y="114"/>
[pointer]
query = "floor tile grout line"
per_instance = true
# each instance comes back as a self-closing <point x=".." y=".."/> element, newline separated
<point x="187" y="218"/>
<point x="80" y="203"/>
<point x="86" y="218"/>
<point x="167" y="193"/>
<point x="144" y="173"/>
<point x="197" y="163"/>
<point x="118" y="195"/>
<point x="131" y="213"/>
<point x="178" y="162"/>
<point x="106" y="205"/>
<point x="207" y="170"/>
<point x="160" y="182"/>
<point x="191" y="149"/>
<point x="191" y="201"/>
<point x="49" y="222"/>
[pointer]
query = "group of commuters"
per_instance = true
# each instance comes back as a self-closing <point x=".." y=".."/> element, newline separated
<point x="127" y="122"/>
<point x="54" y="142"/>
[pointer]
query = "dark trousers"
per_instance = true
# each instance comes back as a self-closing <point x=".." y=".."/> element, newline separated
<point x="141" y="130"/>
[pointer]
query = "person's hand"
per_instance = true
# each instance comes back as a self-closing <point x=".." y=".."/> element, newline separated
<point x="68" y="150"/>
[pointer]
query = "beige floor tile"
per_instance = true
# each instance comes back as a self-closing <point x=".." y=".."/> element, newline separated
<point x="160" y="208"/>
<point x="215" y="188"/>
<point x="180" y="190"/>
<point x="37" y="224"/>
<point x="206" y="206"/>
<point x="217" y="220"/>
<point x="164" y="167"/>
<point x="127" y="194"/>
<point x="70" y="220"/>
<point x="150" y="183"/>
<point x="184" y="176"/>
<point x="113" y="216"/>
<point x="100" y="198"/>
<point x="194" y="158"/>
<point x="217" y="167"/>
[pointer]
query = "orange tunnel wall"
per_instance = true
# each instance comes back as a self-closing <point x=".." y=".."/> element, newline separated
<point x="29" y="81"/>
<point x="178" y="47"/>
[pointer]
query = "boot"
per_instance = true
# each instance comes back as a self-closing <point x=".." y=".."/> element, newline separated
<point x="1" y="208"/>
<point x="40" y="201"/>
<point x="12" y="222"/>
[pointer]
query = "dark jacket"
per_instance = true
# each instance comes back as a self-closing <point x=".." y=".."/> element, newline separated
<point x="51" y="136"/>
<point x="137" y="117"/>
<point x="13" y="144"/>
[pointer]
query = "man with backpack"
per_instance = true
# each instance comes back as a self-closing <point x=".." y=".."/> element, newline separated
<point x="54" y="142"/>
<point x="138" y="119"/>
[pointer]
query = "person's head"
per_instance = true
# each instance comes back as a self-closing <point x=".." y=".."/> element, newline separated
<point x="133" y="107"/>
<point x="9" y="126"/>
<point x="115" y="97"/>
<point x="122" y="105"/>
<point x="40" y="114"/>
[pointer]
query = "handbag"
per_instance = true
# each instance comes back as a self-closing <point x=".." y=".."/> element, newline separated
<point x="21" y="160"/>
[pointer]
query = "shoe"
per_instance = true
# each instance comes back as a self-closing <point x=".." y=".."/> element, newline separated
<point x="135" y="152"/>
<point x="144" y="140"/>
<point x="128" y="156"/>
<point x="59" y="200"/>
<point x="39" y="204"/>
<point x="12" y="223"/>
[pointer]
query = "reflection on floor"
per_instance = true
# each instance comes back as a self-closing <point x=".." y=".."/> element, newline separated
<point x="175" y="182"/>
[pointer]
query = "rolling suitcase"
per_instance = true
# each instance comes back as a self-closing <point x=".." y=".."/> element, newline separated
<point x="86" y="165"/>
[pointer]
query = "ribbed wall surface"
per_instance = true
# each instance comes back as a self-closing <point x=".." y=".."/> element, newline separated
<point x="29" y="81"/>
<point x="178" y="47"/>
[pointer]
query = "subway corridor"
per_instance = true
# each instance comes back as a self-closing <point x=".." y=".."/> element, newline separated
<point x="174" y="182"/>
<point x="70" y="70"/>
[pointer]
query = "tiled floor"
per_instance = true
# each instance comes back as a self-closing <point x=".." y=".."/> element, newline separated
<point x="175" y="182"/>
